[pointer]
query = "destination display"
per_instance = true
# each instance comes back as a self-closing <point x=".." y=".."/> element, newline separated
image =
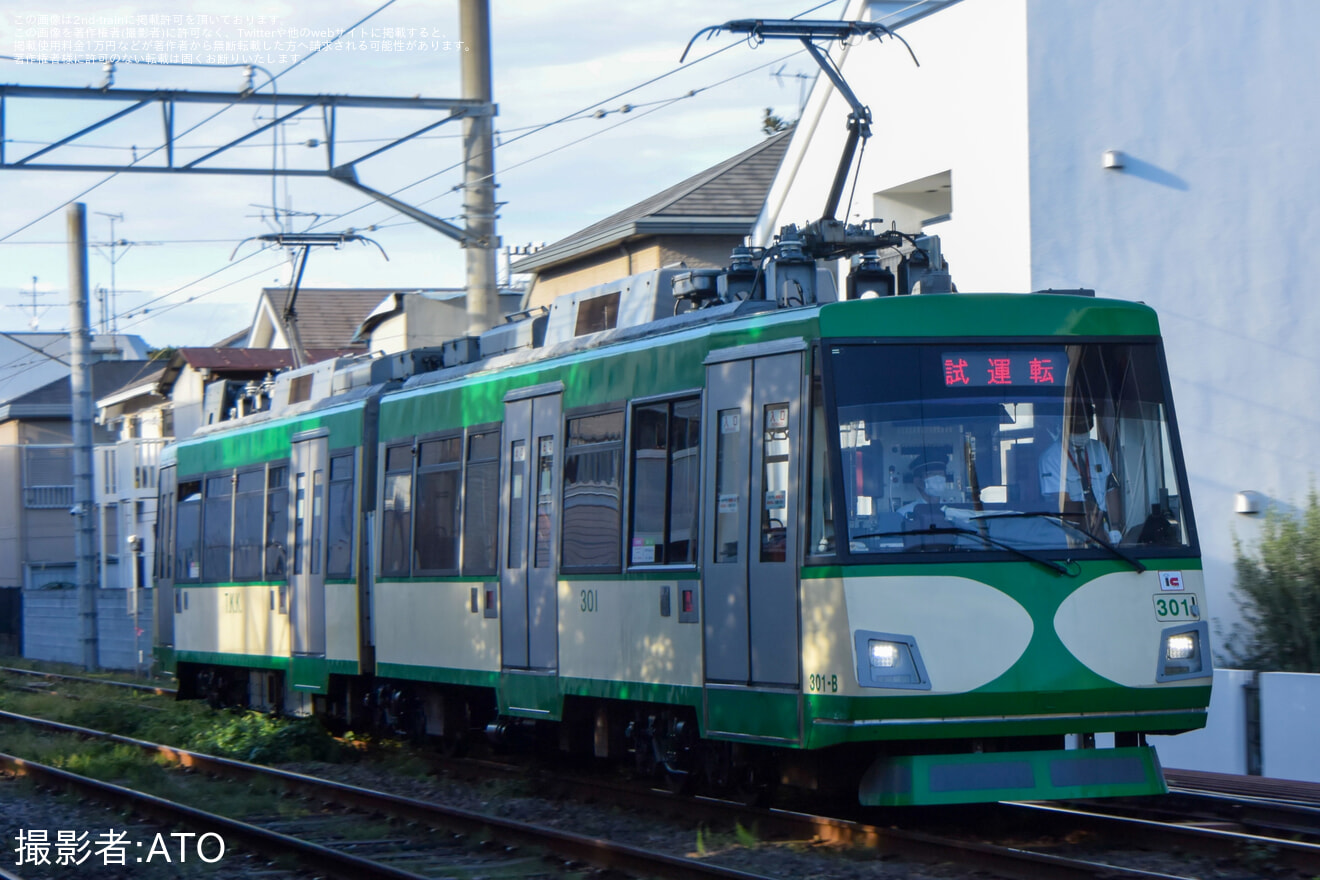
<point x="976" y="369"/>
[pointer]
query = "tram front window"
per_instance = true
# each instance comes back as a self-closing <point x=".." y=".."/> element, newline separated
<point x="994" y="448"/>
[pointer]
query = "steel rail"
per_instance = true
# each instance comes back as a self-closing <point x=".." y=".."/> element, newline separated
<point x="149" y="688"/>
<point x="564" y="844"/>
<point x="1182" y="805"/>
<point x="1062" y="819"/>
<point x="1247" y="786"/>
<point x="916" y="845"/>
<point x="333" y="862"/>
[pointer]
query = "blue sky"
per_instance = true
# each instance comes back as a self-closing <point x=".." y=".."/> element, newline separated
<point x="550" y="60"/>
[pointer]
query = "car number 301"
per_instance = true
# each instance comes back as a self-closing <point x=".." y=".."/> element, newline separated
<point x="1177" y="608"/>
<point x="823" y="683"/>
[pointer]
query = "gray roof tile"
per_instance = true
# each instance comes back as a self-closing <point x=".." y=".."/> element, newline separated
<point x="733" y="190"/>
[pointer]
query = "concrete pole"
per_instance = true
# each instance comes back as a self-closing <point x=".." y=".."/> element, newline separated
<point x="80" y="380"/>
<point x="483" y="310"/>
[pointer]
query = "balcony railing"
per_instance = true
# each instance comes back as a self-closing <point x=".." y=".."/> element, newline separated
<point x="47" y="497"/>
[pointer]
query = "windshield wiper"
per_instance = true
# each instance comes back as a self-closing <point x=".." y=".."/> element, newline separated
<point x="1071" y="526"/>
<point x="954" y="530"/>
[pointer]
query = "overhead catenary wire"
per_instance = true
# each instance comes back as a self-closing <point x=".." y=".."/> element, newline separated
<point x="590" y="111"/>
<point x="193" y="128"/>
<point x="656" y="105"/>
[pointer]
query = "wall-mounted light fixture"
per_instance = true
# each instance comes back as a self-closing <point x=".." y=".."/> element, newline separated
<point x="1114" y="160"/>
<point x="1248" y="503"/>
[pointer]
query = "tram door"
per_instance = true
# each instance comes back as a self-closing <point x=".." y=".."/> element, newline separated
<point x="752" y="448"/>
<point x="307" y="541"/>
<point x="163" y="561"/>
<point x="529" y="616"/>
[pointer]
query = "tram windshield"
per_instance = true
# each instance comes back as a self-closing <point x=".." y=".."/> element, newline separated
<point x="1000" y="447"/>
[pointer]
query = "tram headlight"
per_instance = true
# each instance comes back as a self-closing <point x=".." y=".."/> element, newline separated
<point x="883" y="654"/>
<point x="1180" y="647"/>
<point x="889" y="660"/>
<point x="1184" y="652"/>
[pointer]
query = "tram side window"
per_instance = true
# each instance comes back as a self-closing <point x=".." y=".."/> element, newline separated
<point x="188" y="533"/>
<point x="163" y="563"/>
<point x="249" y="501"/>
<point x="820" y="514"/>
<point x="666" y="469"/>
<point x="592" y="517"/>
<point x="277" y="521"/>
<point x="481" y="507"/>
<point x="339" y="517"/>
<point x="396" y="511"/>
<point x="217" y="528"/>
<point x="435" y="540"/>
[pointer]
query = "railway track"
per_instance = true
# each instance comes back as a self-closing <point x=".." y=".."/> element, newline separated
<point x="328" y="839"/>
<point x="910" y="843"/>
<point x="1193" y="822"/>
<point x="56" y="676"/>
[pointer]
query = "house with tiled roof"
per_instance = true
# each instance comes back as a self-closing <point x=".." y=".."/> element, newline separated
<point x="36" y="494"/>
<point x="328" y="317"/>
<point x="697" y="221"/>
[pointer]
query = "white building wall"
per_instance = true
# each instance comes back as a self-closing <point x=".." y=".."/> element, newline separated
<point x="1289" y="719"/>
<point x="964" y="110"/>
<point x="1220" y="746"/>
<point x="1211" y="220"/>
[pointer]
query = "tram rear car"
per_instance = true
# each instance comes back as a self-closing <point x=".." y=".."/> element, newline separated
<point x="935" y="548"/>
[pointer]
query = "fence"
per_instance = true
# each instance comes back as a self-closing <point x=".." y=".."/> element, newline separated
<point x="52" y="630"/>
<point x="1262" y="723"/>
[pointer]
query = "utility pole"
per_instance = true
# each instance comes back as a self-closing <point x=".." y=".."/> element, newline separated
<point x="478" y="169"/>
<point x="80" y="380"/>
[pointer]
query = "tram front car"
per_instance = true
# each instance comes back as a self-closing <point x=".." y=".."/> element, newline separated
<point x="1003" y="592"/>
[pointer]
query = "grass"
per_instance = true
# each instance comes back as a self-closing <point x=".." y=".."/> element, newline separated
<point x="245" y="736"/>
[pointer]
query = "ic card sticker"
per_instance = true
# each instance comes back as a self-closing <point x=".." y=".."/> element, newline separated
<point x="1171" y="581"/>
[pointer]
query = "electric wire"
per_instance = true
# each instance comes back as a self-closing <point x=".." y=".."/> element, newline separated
<point x="115" y="174"/>
<point x="224" y="109"/>
<point x="590" y="111"/>
<point x="457" y="188"/>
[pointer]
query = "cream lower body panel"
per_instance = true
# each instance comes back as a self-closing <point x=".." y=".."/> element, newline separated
<point x="432" y="624"/>
<point x="231" y="620"/>
<point x="615" y="631"/>
<point x="968" y="633"/>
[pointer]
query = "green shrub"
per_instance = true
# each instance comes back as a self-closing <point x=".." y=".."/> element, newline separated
<point x="1278" y="590"/>
<point x="265" y="739"/>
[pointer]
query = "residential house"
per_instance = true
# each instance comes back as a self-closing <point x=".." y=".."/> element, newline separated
<point x="698" y="222"/>
<point x="421" y="319"/>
